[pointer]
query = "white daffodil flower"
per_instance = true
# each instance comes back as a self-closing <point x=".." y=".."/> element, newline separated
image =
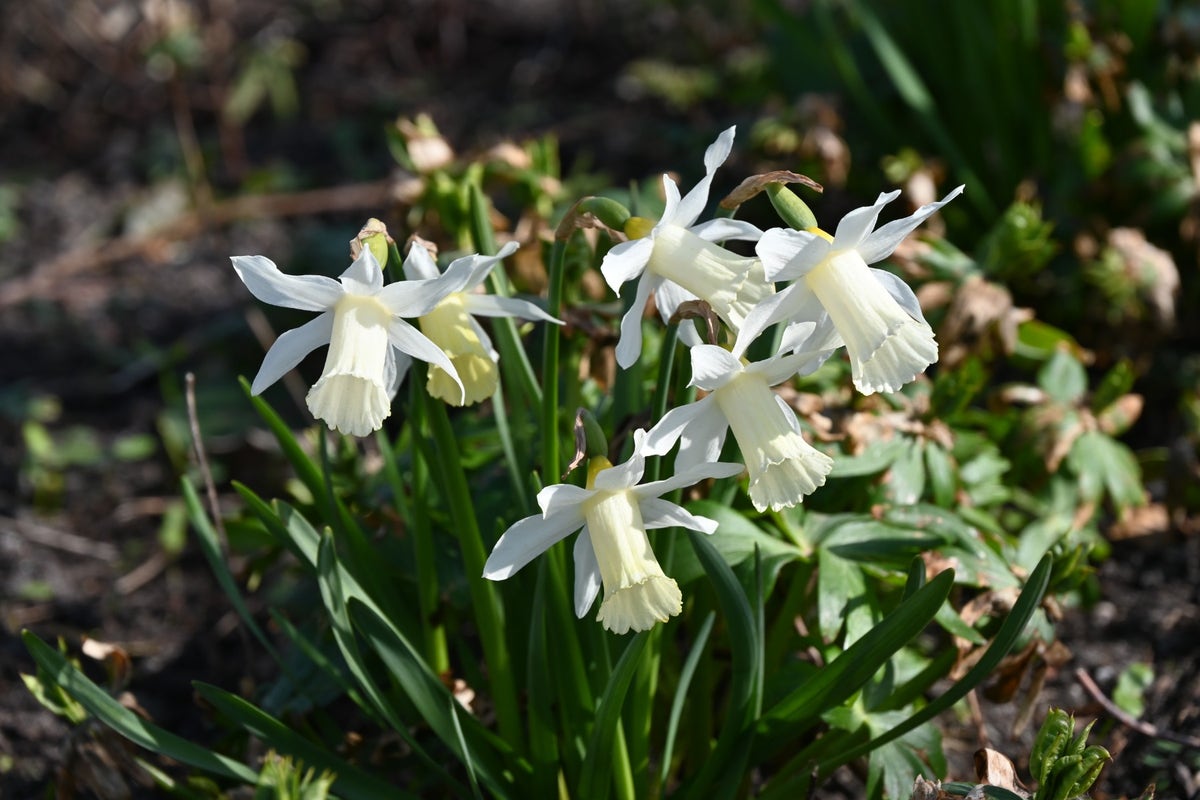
<point x="783" y="466"/>
<point x="874" y="313"/>
<point x="451" y="325"/>
<point x="361" y="322"/>
<point x="613" y="549"/>
<point x="680" y="259"/>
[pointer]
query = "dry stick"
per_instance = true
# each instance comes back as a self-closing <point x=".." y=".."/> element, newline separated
<point x="1126" y="719"/>
<point x="52" y="274"/>
<point x="210" y="489"/>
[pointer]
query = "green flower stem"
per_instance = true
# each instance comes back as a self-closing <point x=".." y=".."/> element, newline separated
<point x="551" y="458"/>
<point x="485" y="599"/>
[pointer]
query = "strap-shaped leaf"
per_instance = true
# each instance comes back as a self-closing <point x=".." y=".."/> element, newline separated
<point x="723" y="772"/>
<point x="597" y="764"/>
<point x="1006" y="638"/>
<point x="847" y="673"/>
<point x="351" y="782"/>
<point x="128" y="724"/>
<point x="685" y="680"/>
<point x="434" y="703"/>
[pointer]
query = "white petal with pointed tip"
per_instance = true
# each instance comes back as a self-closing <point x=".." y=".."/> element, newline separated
<point x="713" y="367"/>
<point x="268" y="284"/>
<point x="659" y="513"/>
<point x="587" y="573"/>
<point x="489" y="305"/>
<point x="626" y="261"/>
<point x="526" y="540"/>
<point x="883" y="242"/>
<point x="290" y="349"/>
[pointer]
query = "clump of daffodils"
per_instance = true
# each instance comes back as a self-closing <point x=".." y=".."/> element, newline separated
<point x="830" y="298"/>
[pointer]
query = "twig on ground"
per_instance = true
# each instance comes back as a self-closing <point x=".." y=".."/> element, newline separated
<point x="210" y="488"/>
<point x="1126" y="719"/>
<point x="72" y="543"/>
<point x="50" y="276"/>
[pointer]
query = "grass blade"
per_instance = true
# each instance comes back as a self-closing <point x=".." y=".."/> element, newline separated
<point x="351" y="783"/>
<point x="597" y="766"/>
<point x="128" y="724"/>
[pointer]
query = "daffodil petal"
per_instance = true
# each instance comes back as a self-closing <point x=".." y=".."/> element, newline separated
<point x="858" y="224"/>
<point x="489" y="305"/>
<point x="659" y="513"/>
<point x="626" y="261"/>
<point x="480" y="266"/>
<point x="419" y="264"/>
<point x="713" y="367"/>
<point x="290" y="349"/>
<point x="693" y="203"/>
<point x="629" y="346"/>
<point x="526" y="540"/>
<point x="559" y="497"/>
<point x="364" y="276"/>
<point x="587" y="573"/>
<point x="684" y="478"/>
<point x="403" y="365"/>
<point x="626" y="475"/>
<point x="407" y="339"/>
<point x="901" y="292"/>
<point x="723" y="230"/>
<point x="413" y="299"/>
<point x="666" y="432"/>
<point x="268" y="284"/>
<point x="883" y="242"/>
<point x="671" y="197"/>
<point x="789" y="414"/>
<point x="779" y="369"/>
<point x="773" y="308"/>
<point x="787" y="254"/>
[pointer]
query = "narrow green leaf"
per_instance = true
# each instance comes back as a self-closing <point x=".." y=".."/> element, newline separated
<point x="1023" y="610"/>
<point x="128" y="724"/>
<point x="846" y="674"/>
<point x="207" y="537"/>
<point x="736" y="543"/>
<point x="433" y="701"/>
<point x="685" y="680"/>
<point x="351" y="782"/>
<point x="597" y="765"/>
<point x="723" y="773"/>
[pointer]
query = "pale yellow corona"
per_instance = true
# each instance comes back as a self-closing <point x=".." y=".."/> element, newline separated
<point x="449" y="327"/>
<point x="637" y="593"/>
<point x="352" y="393"/>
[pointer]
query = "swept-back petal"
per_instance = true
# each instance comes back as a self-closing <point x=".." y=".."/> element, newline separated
<point x="479" y="266"/>
<point x="723" y="229"/>
<point x="407" y="339"/>
<point x="419" y="264"/>
<point x="403" y="365"/>
<point x="858" y="224"/>
<point x="780" y="368"/>
<point x="560" y="497"/>
<point x="268" y="284"/>
<point x="713" y="367"/>
<point x="490" y="305"/>
<point x="668" y="297"/>
<point x="587" y="573"/>
<point x="684" y="478"/>
<point x="671" y="196"/>
<point x="291" y="348"/>
<point x="901" y="292"/>
<point x="659" y="513"/>
<point x="795" y="303"/>
<point x="693" y="203"/>
<point x="416" y="298"/>
<point x="629" y="346"/>
<point x="787" y="254"/>
<point x="662" y="437"/>
<point x="364" y="275"/>
<point x="626" y="261"/>
<point x="526" y="540"/>
<point x="883" y="242"/>
<point x="627" y="474"/>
